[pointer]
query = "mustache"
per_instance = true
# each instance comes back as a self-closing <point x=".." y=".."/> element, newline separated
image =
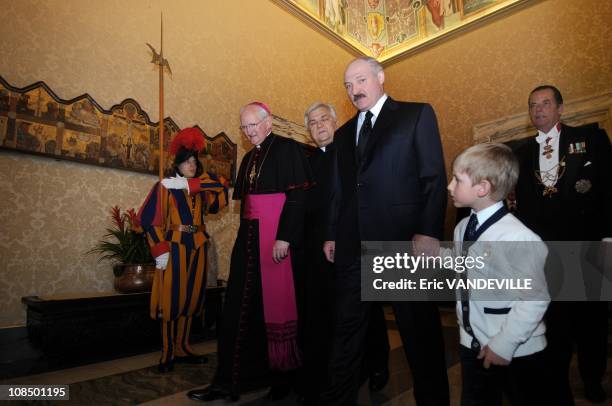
<point x="358" y="96"/>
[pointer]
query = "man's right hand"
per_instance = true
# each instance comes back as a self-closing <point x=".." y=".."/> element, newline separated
<point x="425" y="245"/>
<point x="329" y="249"/>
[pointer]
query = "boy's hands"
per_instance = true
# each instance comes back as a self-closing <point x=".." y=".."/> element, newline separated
<point x="489" y="358"/>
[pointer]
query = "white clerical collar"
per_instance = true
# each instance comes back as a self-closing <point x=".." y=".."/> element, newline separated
<point x="375" y="110"/>
<point x="484" y="214"/>
<point x="258" y="146"/>
<point x="322" y="148"/>
<point x="552" y="133"/>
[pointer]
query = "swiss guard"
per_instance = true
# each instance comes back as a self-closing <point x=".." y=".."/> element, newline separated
<point x="173" y="220"/>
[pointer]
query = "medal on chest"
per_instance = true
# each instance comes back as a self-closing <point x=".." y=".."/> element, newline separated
<point x="548" y="149"/>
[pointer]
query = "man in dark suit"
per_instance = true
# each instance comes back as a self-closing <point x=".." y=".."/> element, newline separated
<point x="564" y="194"/>
<point x="318" y="279"/>
<point x="388" y="184"/>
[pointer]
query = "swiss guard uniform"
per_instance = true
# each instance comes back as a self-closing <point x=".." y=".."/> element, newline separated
<point x="173" y="220"/>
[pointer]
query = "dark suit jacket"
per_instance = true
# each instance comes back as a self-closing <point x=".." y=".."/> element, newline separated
<point x="580" y="210"/>
<point x="397" y="190"/>
<point x="317" y="207"/>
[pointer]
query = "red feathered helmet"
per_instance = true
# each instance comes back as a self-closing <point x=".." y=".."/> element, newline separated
<point x="186" y="144"/>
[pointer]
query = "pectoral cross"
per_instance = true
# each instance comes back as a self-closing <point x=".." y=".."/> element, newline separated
<point x="253" y="173"/>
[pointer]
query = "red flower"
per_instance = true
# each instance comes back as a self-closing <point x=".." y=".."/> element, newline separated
<point x="117" y="218"/>
<point x="132" y="218"/>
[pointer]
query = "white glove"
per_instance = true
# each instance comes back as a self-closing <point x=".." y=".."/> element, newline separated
<point x="175" y="183"/>
<point x="161" y="262"/>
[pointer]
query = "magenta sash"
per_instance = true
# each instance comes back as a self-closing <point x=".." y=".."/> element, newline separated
<point x="280" y="310"/>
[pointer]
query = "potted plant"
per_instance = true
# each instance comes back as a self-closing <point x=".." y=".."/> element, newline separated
<point x="134" y="267"/>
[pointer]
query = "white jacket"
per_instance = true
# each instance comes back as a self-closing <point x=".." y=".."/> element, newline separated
<point x="510" y="321"/>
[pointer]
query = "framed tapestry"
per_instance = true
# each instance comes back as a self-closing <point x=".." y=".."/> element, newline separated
<point x="36" y="121"/>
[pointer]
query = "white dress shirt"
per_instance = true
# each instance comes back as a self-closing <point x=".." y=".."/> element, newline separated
<point x="484" y="214"/>
<point x="548" y="166"/>
<point x="375" y="110"/>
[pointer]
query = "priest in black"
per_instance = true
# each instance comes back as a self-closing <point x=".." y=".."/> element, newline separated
<point x="257" y="341"/>
<point x="317" y="281"/>
<point x="564" y="193"/>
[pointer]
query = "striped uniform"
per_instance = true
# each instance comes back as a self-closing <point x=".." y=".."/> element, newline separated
<point x="178" y="291"/>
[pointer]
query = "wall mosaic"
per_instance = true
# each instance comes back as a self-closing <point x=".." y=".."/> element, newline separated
<point x="389" y="29"/>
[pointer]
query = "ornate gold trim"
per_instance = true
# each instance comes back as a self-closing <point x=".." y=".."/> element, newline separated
<point x="410" y="46"/>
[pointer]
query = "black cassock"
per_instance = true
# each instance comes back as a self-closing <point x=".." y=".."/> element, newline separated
<point x="278" y="166"/>
<point x="317" y="291"/>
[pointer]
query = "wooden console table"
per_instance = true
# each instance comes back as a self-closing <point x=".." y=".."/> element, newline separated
<point x="105" y="322"/>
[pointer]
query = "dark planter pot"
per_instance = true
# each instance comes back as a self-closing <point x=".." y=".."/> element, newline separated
<point x="134" y="278"/>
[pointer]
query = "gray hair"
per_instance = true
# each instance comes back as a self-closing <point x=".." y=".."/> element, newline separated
<point x="317" y="105"/>
<point x="374" y="64"/>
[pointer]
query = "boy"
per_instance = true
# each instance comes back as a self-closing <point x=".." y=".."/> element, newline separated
<point x="501" y="339"/>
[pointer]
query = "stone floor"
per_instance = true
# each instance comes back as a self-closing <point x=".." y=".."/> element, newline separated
<point x="134" y="379"/>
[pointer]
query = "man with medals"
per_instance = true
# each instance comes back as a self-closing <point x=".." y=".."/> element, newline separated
<point x="564" y="194"/>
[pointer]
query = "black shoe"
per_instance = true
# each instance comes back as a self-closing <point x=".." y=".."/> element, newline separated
<point x="278" y="392"/>
<point x="378" y="380"/>
<point x="212" y="392"/>
<point x="594" y="392"/>
<point x="191" y="359"/>
<point x="165" y="367"/>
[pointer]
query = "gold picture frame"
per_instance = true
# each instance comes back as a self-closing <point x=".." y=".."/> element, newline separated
<point x="392" y="29"/>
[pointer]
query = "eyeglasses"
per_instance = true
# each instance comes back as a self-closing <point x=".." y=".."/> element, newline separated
<point x="314" y="123"/>
<point x="248" y="127"/>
